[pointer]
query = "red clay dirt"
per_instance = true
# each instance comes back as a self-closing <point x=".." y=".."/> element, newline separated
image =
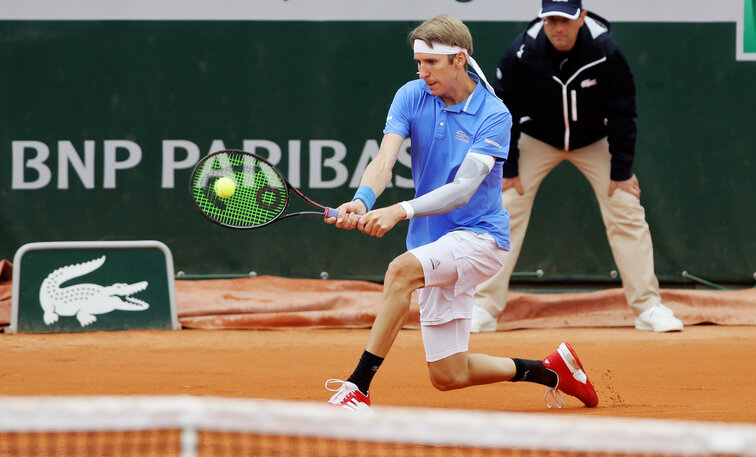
<point x="704" y="373"/>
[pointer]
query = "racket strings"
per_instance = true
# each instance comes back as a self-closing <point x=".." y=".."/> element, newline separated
<point x="260" y="195"/>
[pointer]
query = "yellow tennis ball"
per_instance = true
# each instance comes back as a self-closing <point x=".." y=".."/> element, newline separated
<point x="225" y="187"/>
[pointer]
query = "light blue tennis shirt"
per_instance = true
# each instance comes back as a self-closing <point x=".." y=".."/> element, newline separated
<point x="441" y="138"/>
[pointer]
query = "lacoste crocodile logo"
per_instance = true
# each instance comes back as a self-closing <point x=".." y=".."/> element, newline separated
<point x="519" y="55"/>
<point x="86" y="300"/>
<point x="588" y="83"/>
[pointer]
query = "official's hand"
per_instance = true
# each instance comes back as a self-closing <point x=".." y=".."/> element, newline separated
<point x="379" y="221"/>
<point x="631" y="186"/>
<point x="507" y="183"/>
<point x="348" y="212"/>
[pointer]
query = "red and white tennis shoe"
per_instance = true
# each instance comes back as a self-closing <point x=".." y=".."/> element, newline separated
<point x="572" y="379"/>
<point x="348" y="396"/>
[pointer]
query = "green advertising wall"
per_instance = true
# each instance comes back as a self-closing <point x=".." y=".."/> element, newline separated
<point x="749" y="27"/>
<point x="103" y="119"/>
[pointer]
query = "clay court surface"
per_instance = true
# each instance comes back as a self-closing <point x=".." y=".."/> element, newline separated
<point x="705" y="373"/>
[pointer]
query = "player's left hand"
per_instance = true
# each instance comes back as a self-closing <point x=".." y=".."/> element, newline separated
<point x="378" y="222"/>
<point x="631" y="186"/>
<point x="348" y="215"/>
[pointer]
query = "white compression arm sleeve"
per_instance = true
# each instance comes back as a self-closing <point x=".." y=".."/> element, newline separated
<point x="473" y="170"/>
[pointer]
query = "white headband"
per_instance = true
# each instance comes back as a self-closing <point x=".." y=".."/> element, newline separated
<point x="422" y="47"/>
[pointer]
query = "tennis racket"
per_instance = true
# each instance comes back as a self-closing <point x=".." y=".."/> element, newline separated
<point x="256" y="195"/>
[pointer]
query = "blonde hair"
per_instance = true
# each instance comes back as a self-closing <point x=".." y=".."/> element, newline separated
<point x="445" y="30"/>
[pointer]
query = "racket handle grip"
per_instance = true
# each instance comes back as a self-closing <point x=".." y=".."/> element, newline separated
<point x="333" y="212"/>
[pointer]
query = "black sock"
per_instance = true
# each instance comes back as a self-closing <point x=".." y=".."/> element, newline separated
<point x="365" y="371"/>
<point x="534" y="371"/>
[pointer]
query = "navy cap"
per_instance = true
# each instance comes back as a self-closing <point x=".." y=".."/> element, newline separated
<point x="565" y="8"/>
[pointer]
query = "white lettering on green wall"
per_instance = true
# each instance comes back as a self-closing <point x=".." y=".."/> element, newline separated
<point x="37" y="165"/>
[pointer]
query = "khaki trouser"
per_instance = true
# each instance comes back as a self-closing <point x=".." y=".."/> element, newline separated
<point x="623" y="215"/>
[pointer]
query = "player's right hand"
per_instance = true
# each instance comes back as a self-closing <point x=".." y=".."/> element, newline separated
<point x="379" y="221"/>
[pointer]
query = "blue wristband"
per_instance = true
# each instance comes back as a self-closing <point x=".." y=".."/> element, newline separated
<point x="366" y="194"/>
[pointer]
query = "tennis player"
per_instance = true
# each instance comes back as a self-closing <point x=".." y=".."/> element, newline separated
<point x="458" y="231"/>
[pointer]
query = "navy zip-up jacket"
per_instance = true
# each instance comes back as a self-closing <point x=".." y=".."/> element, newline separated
<point x="570" y="99"/>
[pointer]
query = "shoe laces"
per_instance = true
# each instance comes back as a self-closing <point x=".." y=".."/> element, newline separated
<point x="553" y="397"/>
<point x="341" y="392"/>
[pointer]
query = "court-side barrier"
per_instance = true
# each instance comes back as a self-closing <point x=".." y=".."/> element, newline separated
<point x="92" y="286"/>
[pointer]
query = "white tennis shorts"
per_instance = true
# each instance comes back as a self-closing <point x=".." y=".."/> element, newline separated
<point x="453" y="266"/>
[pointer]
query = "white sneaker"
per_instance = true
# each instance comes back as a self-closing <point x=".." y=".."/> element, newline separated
<point x="483" y="321"/>
<point x="658" y="318"/>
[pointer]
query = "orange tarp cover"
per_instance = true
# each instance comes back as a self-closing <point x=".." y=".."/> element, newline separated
<point x="267" y="302"/>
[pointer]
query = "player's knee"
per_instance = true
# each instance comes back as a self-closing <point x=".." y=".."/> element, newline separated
<point x="445" y="380"/>
<point x="403" y="273"/>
